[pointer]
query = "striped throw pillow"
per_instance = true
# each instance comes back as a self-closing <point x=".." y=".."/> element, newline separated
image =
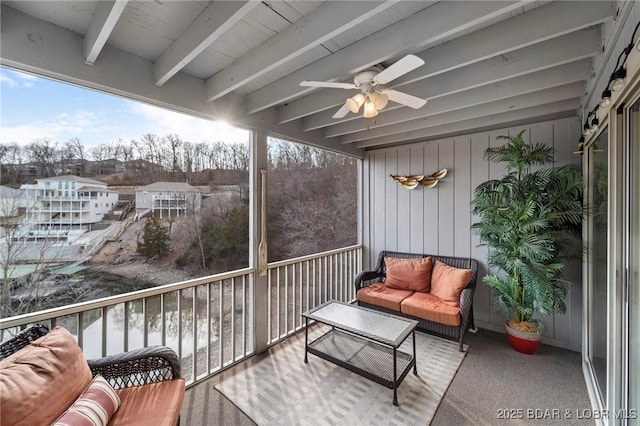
<point x="95" y="406"/>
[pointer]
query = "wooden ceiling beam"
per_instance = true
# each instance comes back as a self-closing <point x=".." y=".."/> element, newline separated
<point x="544" y="102"/>
<point x="555" y="111"/>
<point x="542" y="56"/>
<point x="356" y="130"/>
<point x="435" y="24"/>
<point x="524" y="30"/>
<point x="324" y="23"/>
<point x="104" y="20"/>
<point x="214" y="21"/>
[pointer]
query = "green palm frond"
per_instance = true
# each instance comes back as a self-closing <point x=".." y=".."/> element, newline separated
<point x="530" y="221"/>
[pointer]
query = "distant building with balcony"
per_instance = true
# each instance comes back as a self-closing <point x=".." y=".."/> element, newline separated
<point x="27" y="170"/>
<point x="105" y="167"/>
<point x="67" y="202"/>
<point x="12" y="202"/>
<point x="167" y="199"/>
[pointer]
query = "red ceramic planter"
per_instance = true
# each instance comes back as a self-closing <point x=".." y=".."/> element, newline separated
<point x="525" y="343"/>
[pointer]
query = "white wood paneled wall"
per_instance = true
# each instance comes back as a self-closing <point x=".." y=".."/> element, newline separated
<point x="438" y="220"/>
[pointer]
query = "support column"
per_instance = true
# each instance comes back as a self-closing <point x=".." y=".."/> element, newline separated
<point x="260" y="290"/>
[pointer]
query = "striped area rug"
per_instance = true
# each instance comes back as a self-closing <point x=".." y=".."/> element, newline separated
<point x="282" y="389"/>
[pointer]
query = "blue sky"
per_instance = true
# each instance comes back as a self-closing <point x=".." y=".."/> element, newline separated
<point x="35" y="108"/>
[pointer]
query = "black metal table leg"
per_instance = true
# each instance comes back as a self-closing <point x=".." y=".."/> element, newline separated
<point x="395" y="380"/>
<point x="306" y="339"/>
<point x="415" y="360"/>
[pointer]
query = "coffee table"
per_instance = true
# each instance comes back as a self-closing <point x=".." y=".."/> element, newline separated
<point x="364" y="341"/>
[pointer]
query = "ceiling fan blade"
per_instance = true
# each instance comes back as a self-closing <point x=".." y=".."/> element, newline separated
<point x="344" y="110"/>
<point x="405" y="99"/>
<point x="403" y="66"/>
<point x="328" y="84"/>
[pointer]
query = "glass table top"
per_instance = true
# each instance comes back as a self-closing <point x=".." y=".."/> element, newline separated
<point x="379" y="326"/>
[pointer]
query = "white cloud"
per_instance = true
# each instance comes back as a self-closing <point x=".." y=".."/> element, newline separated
<point x="8" y="81"/>
<point x="96" y="122"/>
<point x="60" y="128"/>
<point x="17" y="80"/>
<point x="189" y="128"/>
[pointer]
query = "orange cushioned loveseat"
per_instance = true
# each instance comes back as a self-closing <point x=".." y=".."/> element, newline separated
<point x="45" y="380"/>
<point x="435" y="290"/>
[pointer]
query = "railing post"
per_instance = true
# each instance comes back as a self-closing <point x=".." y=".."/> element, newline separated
<point x="260" y="286"/>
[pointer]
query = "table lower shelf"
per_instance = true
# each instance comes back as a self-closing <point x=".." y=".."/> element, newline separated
<point x="364" y="357"/>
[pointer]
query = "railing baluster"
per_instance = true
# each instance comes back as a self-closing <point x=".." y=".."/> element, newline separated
<point x="125" y="327"/>
<point x="194" y="330"/>
<point x="233" y="319"/>
<point x="313" y="277"/>
<point x="330" y="276"/>
<point x="179" y="316"/>
<point x="269" y="306"/>
<point x="324" y="280"/>
<point x="79" y="317"/>
<point x="163" y="321"/>
<point x="301" y="310"/>
<point x="351" y="274"/>
<point x="341" y="277"/>
<point x="244" y="303"/>
<point x="208" y="349"/>
<point x="221" y="325"/>
<point x="145" y="324"/>
<point x="277" y="303"/>
<point x="338" y="269"/>
<point x="286" y="300"/>
<point x="104" y="330"/>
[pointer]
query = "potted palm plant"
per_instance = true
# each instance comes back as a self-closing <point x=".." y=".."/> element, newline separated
<point x="530" y="221"/>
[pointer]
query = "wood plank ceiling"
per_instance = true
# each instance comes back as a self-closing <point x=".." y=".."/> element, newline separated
<point x="487" y="64"/>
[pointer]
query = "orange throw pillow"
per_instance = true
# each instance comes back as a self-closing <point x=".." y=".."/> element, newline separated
<point x="39" y="382"/>
<point x="408" y="274"/>
<point x="448" y="282"/>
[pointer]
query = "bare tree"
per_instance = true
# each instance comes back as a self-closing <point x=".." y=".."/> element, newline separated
<point x="43" y="153"/>
<point x="201" y="157"/>
<point x="187" y="156"/>
<point x="151" y="144"/>
<point x="10" y="156"/>
<point x="191" y="227"/>
<point x="77" y="150"/>
<point x="174" y="148"/>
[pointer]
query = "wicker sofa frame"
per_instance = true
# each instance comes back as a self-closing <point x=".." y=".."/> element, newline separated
<point x="366" y="278"/>
<point x="134" y="368"/>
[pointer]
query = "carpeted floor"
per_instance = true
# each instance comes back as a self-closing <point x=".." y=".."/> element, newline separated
<point x="283" y="390"/>
<point x="546" y="388"/>
<point x="492" y="377"/>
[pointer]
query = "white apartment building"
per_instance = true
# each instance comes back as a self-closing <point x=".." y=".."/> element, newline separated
<point x="167" y="199"/>
<point x="68" y="202"/>
<point x="12" y="202"/>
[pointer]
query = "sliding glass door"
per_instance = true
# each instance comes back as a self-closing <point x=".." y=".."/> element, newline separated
<point x="597" y="256"/>
<point x="632" y="275"/>
<point x="611" y="268"/>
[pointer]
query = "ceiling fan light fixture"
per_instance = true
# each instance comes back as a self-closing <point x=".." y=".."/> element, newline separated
<point x="380" y="100"/>
<point x="370" y="110"/>
<point x="355" y="102"/>
<point x="371" y="83"/>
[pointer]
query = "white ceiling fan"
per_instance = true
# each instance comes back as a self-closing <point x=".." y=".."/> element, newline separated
<point x="371" y="83"/>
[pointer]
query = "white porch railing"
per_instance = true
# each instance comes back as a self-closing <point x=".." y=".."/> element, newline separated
<point x="296" y="285"/>
<point x="207" y="321"/>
